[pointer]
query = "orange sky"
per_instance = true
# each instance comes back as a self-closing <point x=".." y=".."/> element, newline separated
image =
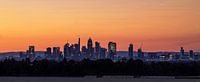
<point x="161" y="25"/>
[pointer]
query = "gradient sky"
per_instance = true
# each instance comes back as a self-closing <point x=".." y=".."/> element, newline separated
<point x="156" y="25"/>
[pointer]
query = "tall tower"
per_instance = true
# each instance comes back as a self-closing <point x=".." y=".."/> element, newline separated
<point x="130" y="51"/>
<point x="31" y="53"/>
<point x="89" y="44"/>
<point x="182" y="52"/>
<point x="140" y="53"/>
<point x="48" y="52"/>
<point x="191" y="52"/>
<point x="56" y="51"/>
<point x="97" y="50"/>
<point x="103" y="53"/>
<point x="90" y="48"/>
<point x="79" y="43"/>
<point x="112" y="50"/>
<point x="31" y="49"/>
<point x="67" y="50"/>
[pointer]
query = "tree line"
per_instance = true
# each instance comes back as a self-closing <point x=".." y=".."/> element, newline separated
<point x="11" y="67"/>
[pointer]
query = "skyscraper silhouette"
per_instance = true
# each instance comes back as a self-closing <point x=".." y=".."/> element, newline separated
<point x="112" y="50"/>
<point x="48" y="52"/>
<point x="77" y="49"/>
<point x="31" y="49"/>
<point x="90" y="48"/>
<point x="56" y="50"/>
<point x="103" y="53"/>
<point x="182" y="52"/>
<point x="130" y="51"/>
<point x="140" y="53"/>
<point x="79" y="44"/>
<point x="57" y="53"/>
<point x="31" y="52"/>
<point x="97" y="50"/>
<point x="67" y="50"/>
<point x="89" y="44"/>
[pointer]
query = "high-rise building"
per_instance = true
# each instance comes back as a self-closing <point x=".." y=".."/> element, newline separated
<point x="84" y="51"/>
<point x="182" y="52"/>
<point x="56" y="51"/>
<point x="97" y="50"/>
<point x="67" y="50"/>
<point x="130" y="51"/>
<point x="90" y="48"/>
<point x="140" y="53"/>
<point x="89" y="44"/>
<point x="72" y="50"/>
<point x="76" y="49"/>
<point x="31" y="49"/>
<point x="112" y="50"/>
<point x="103" y="53"/>
<point x="31" y="52"/>
<point x="79" y="44"/>
<point x="48" y="52"/>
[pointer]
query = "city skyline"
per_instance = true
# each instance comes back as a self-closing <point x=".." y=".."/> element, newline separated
<point x="159" y="25"/>
<point x="96" y="46"/>
<point x="76" y="52"/>
<point x="93" y="44"/>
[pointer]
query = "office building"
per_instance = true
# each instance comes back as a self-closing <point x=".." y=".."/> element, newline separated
<point x="67" y="50"/>
<point x="112" y="50"/>
<point x="97" y="50"/>
<point x="140" y="53"/>
<point x="130" y="51"/>
<point x="182" y="53"/>
<point x="103" y="53"/>
<point x="48" y="52"/>
<point x="31" y="52"/>
<point x="90" y="48"/>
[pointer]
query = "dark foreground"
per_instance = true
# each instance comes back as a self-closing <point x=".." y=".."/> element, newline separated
<point x="93" y="79"/>
<point x="99" y="68"/>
